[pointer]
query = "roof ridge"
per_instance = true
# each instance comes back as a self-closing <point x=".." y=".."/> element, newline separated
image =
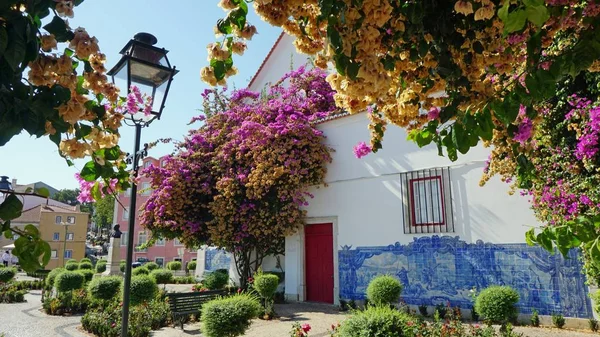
<point x="262" y="65"/>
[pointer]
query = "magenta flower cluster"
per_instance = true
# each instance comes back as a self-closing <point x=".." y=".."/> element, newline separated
<point x="241" y="179"/>
<point x="361" y="149"/>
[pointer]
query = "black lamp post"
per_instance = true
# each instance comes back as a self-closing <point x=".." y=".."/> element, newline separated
<point x="148" y="68"/>
<point x="5" y="185"/>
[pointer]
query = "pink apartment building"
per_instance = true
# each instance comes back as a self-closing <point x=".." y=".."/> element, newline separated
<point x="163" y="251"/>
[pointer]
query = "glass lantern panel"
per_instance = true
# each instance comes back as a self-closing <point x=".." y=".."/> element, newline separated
<point x="150" y="55"/>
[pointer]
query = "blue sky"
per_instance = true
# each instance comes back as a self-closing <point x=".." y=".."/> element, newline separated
<point x="184" y="27"/>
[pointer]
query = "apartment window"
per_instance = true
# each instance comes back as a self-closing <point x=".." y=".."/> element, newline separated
<point x="71" y="219"/>
<point x="68" y="254"/>
<point x="124" y="239"/>
<point x="163" y="163"/>
<point x="147" y="164"/>
<point x="146" y="190"/>
<point x="128" y="192"/>
<point x="125" y="214"/>
<point x="142" y="238"/>
<point x="54" y="254"/>
<point x="160" y="242"/>
<point x="176" y="242"/>
<point x="56" y="237"/>
<point x="58" y="219"/>
<point x="177" y="259"/>
<point x="427" y="201"/>
<point x="70" y="236"/>
<point x="159" y="261"/>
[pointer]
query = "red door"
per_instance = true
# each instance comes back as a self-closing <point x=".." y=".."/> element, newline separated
<point x="319" y="262"/>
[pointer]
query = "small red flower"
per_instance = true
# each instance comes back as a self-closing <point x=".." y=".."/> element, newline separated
<point x="113" y="325"/>
<point x="239" y="291"/>
<point x="306" y="327"/>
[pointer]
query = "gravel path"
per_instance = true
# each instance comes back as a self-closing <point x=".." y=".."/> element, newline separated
<point x="551" y="332"/>
<point x="26" y="320"/>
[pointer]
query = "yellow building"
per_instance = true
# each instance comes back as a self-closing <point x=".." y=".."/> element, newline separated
<point x="63" y="227"/>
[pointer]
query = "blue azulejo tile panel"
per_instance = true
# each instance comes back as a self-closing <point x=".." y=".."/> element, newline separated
<point x="445" y="269"/>
<point x="216" y="259"/>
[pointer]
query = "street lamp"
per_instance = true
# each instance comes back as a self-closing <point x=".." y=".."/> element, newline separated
<point x="148" y="68"/>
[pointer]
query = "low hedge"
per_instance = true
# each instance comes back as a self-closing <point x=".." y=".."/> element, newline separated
<point x="143" y="289"/>
<point x="229" y="316"/>
<point x="100" y="267"/>
<point x="87" y="274"/>
<point x="86" y="265"/>
<point x="162" y="276"/>
<point x="85" y="259"/>
<point x="68" y="281"/>
<point x="151" y="266"/>
<point x="140" y="271"/>
<point x="375" y="321"/>
<point x="52" y="276"/>
<point x="104" y="288"/>
<point x="174" y="265"/>
<point x="497" y="304"/>
<point x="191" y="266"/>
<point x="11" y="294"/>
<point x="384" y="290"/>
<point x="7" y="274"/>
<point x="215" y="280"/>
<point x="72" y="266"/>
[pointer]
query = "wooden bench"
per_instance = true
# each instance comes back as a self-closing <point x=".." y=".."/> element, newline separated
<point x="183" y="304"/>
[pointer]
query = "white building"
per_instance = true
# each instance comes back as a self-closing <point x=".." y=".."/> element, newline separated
<point x="407" y="212"/>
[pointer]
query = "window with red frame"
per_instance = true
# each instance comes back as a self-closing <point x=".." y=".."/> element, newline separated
<point x="427" y="202"/>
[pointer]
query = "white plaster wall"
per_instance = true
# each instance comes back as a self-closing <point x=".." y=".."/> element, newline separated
<point x="279" y="63"/>
<point x="364" y="194"/>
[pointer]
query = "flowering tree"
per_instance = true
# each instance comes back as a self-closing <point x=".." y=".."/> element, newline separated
<point x="63" y="95"/>
<point x="457" y="73"/>
<point x="239" y="181"/>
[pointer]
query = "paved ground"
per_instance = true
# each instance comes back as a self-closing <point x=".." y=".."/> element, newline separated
<point x="26" y="320"/>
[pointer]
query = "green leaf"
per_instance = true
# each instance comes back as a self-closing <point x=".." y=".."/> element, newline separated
<point x="353" y="69"/>
<point x="11" y="208"/>
<point x="515" y="21"/>
<point x="43" y="192"/>
<point x="3" y="40"/>
<point x="538" y="15"/>
<point x="533" y="3"/>
<point x="59" y="28"/>
<point x="113" y="153"/>
<point x="32" y="230"/>
<point x="47" y="251"/>
<point x="218" y="68"/>
<point x="530" y="237"/>
<point x="544" y="240"/>
<point x="96" y="194"/>
<point x="238" y="17"/>
<point x="503" y="11"/>
<point x="224" y="26"/>
<point x="90" y="171"/>
<point x="8" y="234"/>
<point x="595" y="253"/>
<point x="16" y="46"/>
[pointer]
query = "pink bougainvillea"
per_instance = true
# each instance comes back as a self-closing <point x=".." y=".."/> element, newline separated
<point x="240" y="181"/>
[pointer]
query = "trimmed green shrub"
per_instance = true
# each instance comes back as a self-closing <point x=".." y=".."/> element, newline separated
<point x="215" y="281"/>
<point x="497" y="304"/>
<point x="72" y="266"/>
<point x="384" y="290"/>
<point x="183" y="280"/>
<point x="140" y="271"/>
<point x="174" y="265"/>
<point x="100" y="267"/>
<point x="72" y="261"/>
<point x="143" y="289"/>
<point x="122" y="265"/>
<point x="85" y="259"/>
<point x="87" y="274"/>
<point x="535" y="318"/>
<point x="151" y="266"/>
<point x="229" y="316"/>
<point x="191" y="266"/>
<point x="102" y="261"/>
<point x="375" y="321"/>
<point x="104" y="288"/>
<point x="7" y="274"/>
<point x="162" y="276"/>
<point x="86" y="265"/>
<point x="265" y="284"/>
<point x="52" y="275"/>
<point x="558" y="321"/>
<point x="68" y="280"/>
